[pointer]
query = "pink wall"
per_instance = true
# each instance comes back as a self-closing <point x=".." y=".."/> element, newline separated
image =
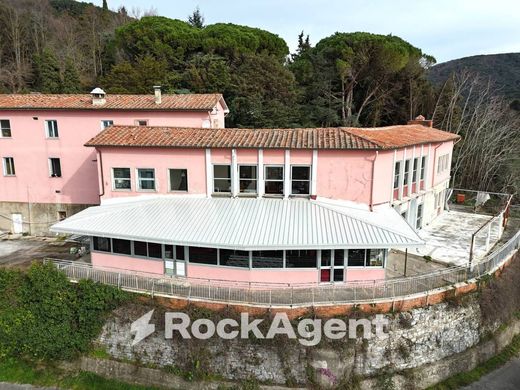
<point x="286" y="276"/>
<point x="354" y="274"/>
<point x="159" y="158"/>
<point x="31" y="149"/>
<point x="345" y="175"/>
<point x="104" y="260"/>
<point x="443" y="149"/>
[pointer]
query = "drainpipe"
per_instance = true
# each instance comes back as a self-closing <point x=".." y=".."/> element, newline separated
<point x="102" y="179"/>
<point x="372" y="182"/>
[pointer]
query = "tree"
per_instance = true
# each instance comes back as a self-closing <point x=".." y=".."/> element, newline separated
<point x="71" y="82"/>
<point x="47" y="73"/>
<point x="105" y="5"/>
<point x="196" y="19"/>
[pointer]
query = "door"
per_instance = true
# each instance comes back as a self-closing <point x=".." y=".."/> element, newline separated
<point x="332" y="266"/>
<point x="174" y="260"/>
<point x="17" y="223"/>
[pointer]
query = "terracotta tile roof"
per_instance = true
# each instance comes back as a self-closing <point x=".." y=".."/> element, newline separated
<point x="312" y="138"/>
<point x="391" y="137"/>
<point x="181" y="102"/>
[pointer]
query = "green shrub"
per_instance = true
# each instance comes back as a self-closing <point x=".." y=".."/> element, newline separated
<point x="44" y="316"/>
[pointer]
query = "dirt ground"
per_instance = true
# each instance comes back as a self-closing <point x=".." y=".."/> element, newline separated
<point x="20" y="253"/>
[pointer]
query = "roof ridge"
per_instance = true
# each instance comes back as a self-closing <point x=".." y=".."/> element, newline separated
<point x="347" y="130"/>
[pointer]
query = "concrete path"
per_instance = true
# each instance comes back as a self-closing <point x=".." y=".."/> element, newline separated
<point x="12" y="386"/>
<point x="506" y="377"/>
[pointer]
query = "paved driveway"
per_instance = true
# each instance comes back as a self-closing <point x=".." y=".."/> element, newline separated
<point x="506" y="377"/>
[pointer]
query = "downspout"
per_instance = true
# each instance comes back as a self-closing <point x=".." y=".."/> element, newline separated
<point x="372" y="182"/>
<point x="102" y="179"/>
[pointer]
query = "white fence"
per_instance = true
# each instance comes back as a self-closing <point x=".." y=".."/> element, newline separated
<point x="294" y="295"/>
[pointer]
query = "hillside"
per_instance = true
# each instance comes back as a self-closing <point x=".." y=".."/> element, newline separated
<point x="503" y="69"/>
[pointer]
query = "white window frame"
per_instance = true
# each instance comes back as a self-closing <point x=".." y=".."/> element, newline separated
<point x="104" y="124"/>
<point x="248" y="179"/>
<point x="422" y="174"/>
<point x="114" y="188"/>
<point x="419" y="216"/>
<point x="8" y="162"/>
<point x="230" y="178"/>
<point x="51" y="173"/>
<point x="51" y="133"/>
<point x="397" y="175"/>
<point x="3" y="128"/>
<point x="415" y="166"/>
<point x="138" y="180"/>
<point x="266" y="180"/>
<point x="367" y="259"/>
<point x="308" y="180"/>
<point x="170" y="181"/>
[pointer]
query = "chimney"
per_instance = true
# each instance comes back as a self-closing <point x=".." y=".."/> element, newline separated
<point x="157" y="91"/>
<point x="98" y="96"/>
<point x="421" y="120"/>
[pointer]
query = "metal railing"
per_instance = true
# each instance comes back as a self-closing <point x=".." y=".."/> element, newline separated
<point x="264" y="294"/>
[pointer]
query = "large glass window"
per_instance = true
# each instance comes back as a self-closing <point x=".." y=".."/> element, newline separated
<point x="200" y="255"/>
<point x="140" y="248"/>
<point x="102" y="244"/>
<point x="146" y="179"/>
<point x="178" y="179"/>
<point x="376" y="257"/>
<point x="274" y="180"/>
<point x="123" y="247"/>
<point x="301" y="259"/>
<point x="232" y="258"/>
<point x="5" y="128"/>
<point x="397" y="174"/>
<point x="52" y="128"/>
<point x="8" y="165"/>
<point x="54" y="167"/>
<point x="300" y="180"/>
<point x="248" y="179"/>
<point x="406" y="172"/>
<point x="222" y="178"/>
<point x="356" y="257"/>
<point x="418" y="222"/>
<point x="154" y="250"/>
<point x="121" y="179"/>
<point x="267" y="259"/>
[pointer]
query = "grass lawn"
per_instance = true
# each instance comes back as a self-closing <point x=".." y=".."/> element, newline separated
<point x="16" y="371"/>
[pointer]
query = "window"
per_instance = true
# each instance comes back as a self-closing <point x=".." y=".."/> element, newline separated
<point x="418" y="223"/>
<point x="366" y="257"/>
<point x="267" y="259"/>
<point x="233" y="258"/>
<point x="51" y="127"/>
<point x="8" y="166"/>
<point x="423" y="168"/>
<point x="62" y="215"/>
<point x="376" y="257"/>
<point x="300" y="180"/>
<point x="123" y="247"/>
<point x="179" y="252"/>
<point x="356" y="257"/>
<point x="222" y="178"/>
<point x="178" y="179"/>
<point x="442" y="163"/>
<point x="121" y="179"/>
<point x="106" y="123"/>
<point x="141" y="122"/>
<point x="414" y="169"/>
<point x="397" y="174"/>
<point x="301" y="259"/>
<point x="203" y="255"/>
<point x="102" y="244"/>
<point x="147" y="249"/>
<point x="274" y="180"/>
<point x="54" y="167"/>
<point x="406" y="172"/>
<point x="146" y="179"/>
<point x="247" y="175"/>
<point x="5" y="128"/>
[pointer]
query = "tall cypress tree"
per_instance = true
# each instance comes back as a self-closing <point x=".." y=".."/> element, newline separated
<point x="71" y="82"/>
<point x="47" y="73"/>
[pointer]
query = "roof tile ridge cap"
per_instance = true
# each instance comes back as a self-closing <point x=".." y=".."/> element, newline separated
<point x="364" y="138"/>
<point x="332" y="208"/>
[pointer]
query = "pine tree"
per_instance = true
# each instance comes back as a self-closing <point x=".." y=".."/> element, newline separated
<point x="105" y="5"/>
<point x="196" y="19"/>
<point x="71" y="82"/>
<point x="47" y="73"/>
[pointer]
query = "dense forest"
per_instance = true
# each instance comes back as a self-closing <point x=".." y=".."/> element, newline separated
<point x="346" y="79"/>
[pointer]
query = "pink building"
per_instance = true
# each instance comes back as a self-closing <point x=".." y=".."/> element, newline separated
<point x="48" y="174"/>
<point x="290" y="206"/>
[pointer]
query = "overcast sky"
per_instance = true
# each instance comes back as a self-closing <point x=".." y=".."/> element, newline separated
<point x="446" y="29"/>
